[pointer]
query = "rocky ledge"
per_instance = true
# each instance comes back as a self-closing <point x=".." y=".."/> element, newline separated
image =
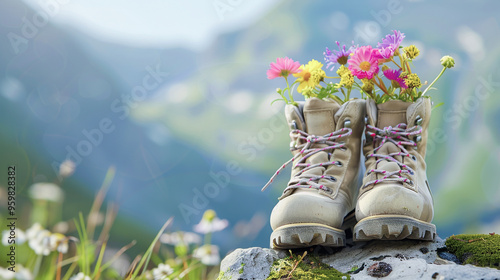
<point x="406" y="259"/>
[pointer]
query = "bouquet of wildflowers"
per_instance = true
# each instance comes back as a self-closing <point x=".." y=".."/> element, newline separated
<point x="382" y="73"/>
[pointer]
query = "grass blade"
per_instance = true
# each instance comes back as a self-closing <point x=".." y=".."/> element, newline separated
<point x="147" y="256"/>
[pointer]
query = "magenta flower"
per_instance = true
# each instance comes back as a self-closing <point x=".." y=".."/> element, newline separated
<point x="341" y="56"/>
<point x="364" y="63"/>
<point x="282" y="68"/>
<point x="393" y="75"/>
<point x="390" y="44"/>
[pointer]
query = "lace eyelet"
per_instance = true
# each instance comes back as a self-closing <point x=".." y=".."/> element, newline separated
<point x="347" y="123"/>
<point x="333" y="179"/>
<point x="338" y="163"/>
<point x="293" y="125"/>
<point x="414" y="158"/>
<point x="418" y="120"/>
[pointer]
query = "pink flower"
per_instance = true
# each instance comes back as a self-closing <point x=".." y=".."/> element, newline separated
<point x="383" y="54"/>
<point x="282" y="68"/>
<point x="364" y="63"/>
<point x="393" y="75"/>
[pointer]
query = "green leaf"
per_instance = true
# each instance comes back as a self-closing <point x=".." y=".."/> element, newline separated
<point x="437" y="106"/>
<point x="277" y="99"/>
<point x="147" y="256"/>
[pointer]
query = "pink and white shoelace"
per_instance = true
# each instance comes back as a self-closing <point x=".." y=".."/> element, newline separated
<point x="302" y="180"/>
<point x="399" y="136"/>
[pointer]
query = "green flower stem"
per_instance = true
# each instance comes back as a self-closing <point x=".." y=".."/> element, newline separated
<point x="208" y="238"/>
<point x="289" y="91"/>
<point x="38" y="263"/>
<point x="380" y="85"/>
<point x="435" y="80"/>
<point x="343" y="93"/>
<point x="408" y="67"/>
<point x="337" y="99"/>
<point x="392" y="59"/>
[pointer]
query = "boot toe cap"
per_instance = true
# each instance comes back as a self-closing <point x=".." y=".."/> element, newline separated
<point x="308" y="206"/>
<point x="394" y="199"/>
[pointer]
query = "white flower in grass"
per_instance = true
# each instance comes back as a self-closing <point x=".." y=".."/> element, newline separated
<point x="58" y="242"/>
<point x="179" y="237"/>
<point x="162" y="272"/>
<point x="80" y="276"/>
<point x="6" y="274"/>
<point x="210" y="223"/>
<point x="19" y="237"/>
<point x="38" y="239"/>
<point x="43" y="241"/>
<point x="33" y="231"/>
<point x="208" y="254"/>
<point x="21" y="273"/>
<point x="46" y="191"/>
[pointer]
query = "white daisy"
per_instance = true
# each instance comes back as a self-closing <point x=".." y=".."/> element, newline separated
<point x="162" y="272"/>
<point x="19" y="237"/>
<point x="46" y="191"/>
<point x="210" y="223"/>
<point x="208" y="254"/>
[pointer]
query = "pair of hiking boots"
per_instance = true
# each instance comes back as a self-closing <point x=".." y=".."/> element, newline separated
<point x="357" y="166"/>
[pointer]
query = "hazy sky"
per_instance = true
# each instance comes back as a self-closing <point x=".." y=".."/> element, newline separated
<point x="192" y="24"/>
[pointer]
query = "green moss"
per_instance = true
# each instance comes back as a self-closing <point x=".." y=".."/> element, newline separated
<point x="476" y="249"/>
<point x="303" y="267"/>
<point x="241" y="268"/>
<point x="222" y="276"/>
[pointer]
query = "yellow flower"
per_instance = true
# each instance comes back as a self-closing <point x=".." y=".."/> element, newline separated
<point x="342" y="70"/>
<point x="308" y="92"/>
<point x="347" y="80"/>
<point x="367" y="85"/>
<point x="310" y="75"/>
<point x="412" y="81"/>
<point x="412" y="51"/>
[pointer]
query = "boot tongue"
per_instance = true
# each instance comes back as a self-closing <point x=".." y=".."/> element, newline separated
<point x="391" y="113"/>
<point x="319" y="119"/>
<point x="319" y="116"/>
<point x="389" y="166"/>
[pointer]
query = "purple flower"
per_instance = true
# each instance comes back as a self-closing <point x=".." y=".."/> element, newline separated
<point x="393" y="75"/>
<point x="390" y="44"/>
<point x="392" y="41"/>
<point x="341" y="56"/>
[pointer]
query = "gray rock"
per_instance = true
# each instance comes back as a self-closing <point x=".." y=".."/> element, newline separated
<point x="409" y="259"/>
<point x="251" y="263"/>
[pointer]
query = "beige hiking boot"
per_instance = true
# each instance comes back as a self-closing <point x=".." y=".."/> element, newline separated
<point x="326" y="173"/>
<point x="394" y="200"/>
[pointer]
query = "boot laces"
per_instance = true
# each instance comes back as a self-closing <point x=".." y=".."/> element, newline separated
<point x="307" y="149"/>
<point x="399" y="136"/>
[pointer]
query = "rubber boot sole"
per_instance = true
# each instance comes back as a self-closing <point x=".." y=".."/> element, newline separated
<point x="304" y="235"/>
<point x="393" y="227"/>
